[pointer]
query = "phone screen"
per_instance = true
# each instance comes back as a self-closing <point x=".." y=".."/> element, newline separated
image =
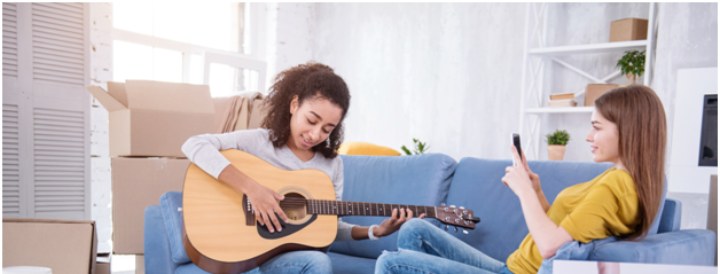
<point x="516" y="143"/>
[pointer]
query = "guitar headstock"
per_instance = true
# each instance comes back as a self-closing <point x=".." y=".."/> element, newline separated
<point x="457" y="216"/>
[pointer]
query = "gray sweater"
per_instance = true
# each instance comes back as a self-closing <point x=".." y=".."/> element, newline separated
<point x="204" y="151"/>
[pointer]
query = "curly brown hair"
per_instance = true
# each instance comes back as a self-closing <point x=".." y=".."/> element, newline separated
<point x="306" y="81"/>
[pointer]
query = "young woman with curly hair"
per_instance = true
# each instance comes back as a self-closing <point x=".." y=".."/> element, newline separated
<point x="302" y="130"/>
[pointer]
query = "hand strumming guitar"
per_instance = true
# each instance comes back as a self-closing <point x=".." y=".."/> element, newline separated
<point x="264" y="201"/>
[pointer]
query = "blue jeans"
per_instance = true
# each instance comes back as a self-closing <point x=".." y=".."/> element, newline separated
<point x="296" y="262"/>
<point x="425" y="248"/>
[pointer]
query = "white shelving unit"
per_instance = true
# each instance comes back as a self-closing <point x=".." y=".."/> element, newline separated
<point x="537" y="61"/>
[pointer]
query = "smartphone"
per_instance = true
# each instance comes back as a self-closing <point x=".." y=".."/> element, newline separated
<point x="516" y="143"/>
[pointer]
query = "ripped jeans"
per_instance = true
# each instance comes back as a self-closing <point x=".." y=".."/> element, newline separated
<point x="425" y="248"/>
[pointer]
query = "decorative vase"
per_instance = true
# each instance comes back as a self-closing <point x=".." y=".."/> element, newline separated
<point x="556" y="152"/>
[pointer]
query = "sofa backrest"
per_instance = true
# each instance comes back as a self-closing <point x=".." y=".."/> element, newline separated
<point x="477" y="185"/>
<point x="410" y="180"/>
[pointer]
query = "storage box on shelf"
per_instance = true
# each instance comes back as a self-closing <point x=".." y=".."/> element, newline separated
<point x="628" y="29"/>
<point x="593" y="91"/>
<point x="561" y="100"/>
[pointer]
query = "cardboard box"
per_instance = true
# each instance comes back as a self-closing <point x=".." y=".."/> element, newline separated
<point x="103" y="264"/>
<point x="593" y="91"/>
<point x="562" y="96"/>
<point x="136" y="184"/>
<point x="149" y="118"/>
<point x="628" y="29"/>
<point x="562" y="103"/>
<point x="140" y="264"/>
<point x="65" y="246"/>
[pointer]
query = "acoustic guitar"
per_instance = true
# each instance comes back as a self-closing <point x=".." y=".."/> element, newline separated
<point x="221" y="234"/>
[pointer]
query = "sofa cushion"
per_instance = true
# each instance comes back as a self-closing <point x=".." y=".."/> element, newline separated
<point x="410" y="180"/>
<point x="171" y="205"/>
<point x="477" y="185"/>
<point x="687" y="246"/>
<point x="573" y="250"/>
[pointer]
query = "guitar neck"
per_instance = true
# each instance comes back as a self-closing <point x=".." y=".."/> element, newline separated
<point x="342" y="208"/>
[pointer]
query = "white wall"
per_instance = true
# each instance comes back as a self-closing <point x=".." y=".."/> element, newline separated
<point x="449" y="74"/>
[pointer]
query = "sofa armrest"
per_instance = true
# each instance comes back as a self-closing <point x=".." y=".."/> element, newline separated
<point x="157" y="247"/>
<point x="692" y="246"/>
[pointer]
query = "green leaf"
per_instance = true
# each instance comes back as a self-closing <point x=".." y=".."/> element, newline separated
<point x="406" y="150"/>
<point x="633" y="62"/>
<point x="419" y="147"/>
<point x="558" y="137"/>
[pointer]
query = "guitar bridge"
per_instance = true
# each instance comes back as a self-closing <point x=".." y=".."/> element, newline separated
<point x="249" y="214"/>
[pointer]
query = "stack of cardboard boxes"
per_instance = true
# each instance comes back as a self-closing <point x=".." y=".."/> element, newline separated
<point x="148" y="123"/>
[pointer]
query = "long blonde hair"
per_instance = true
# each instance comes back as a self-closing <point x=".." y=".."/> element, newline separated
<point x="639" y="115"/>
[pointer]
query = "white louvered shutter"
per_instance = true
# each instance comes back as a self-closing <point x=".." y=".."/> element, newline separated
<point x="47" y="98"/>
<point x="13" y="191"/>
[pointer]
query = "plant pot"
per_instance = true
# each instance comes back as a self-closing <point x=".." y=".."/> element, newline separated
<point x="556" y="152"/>
<point x="632" y="78"/>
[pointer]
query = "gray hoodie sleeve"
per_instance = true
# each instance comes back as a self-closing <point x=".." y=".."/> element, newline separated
<point x="204" y="150"/>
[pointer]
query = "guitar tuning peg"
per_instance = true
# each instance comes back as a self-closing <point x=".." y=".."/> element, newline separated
<point x="465" y="232"/>
<point x="452" y="206"/>
<point x="442" y="204"/>
<point x="462" y="207"/>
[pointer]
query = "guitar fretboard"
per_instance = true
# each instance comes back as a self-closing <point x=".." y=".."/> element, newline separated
<point x="363" y="209"/>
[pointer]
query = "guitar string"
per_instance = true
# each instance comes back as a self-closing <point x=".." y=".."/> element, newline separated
<point x="297" y="201"/>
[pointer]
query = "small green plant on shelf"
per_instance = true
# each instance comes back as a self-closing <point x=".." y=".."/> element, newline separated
<point x="632" y="64"/>
<point x="418" y="148"/>
<point x="558" y="137"/>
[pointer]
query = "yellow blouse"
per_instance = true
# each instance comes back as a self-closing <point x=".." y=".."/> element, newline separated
<point x="605" y="206"/>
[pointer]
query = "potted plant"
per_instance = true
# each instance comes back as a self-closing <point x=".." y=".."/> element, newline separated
<point x="632" y="65"/>
<point x="556" y="144"/>
<point x="419" y="148"/>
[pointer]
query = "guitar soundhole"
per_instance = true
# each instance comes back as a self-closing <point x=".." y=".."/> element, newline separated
<point x="295" y="207"/>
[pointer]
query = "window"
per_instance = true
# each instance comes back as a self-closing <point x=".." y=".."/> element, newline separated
<point x="186" y="42"/>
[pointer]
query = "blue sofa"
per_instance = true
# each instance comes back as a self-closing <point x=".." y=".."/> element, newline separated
<point x="433" y="179"/>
